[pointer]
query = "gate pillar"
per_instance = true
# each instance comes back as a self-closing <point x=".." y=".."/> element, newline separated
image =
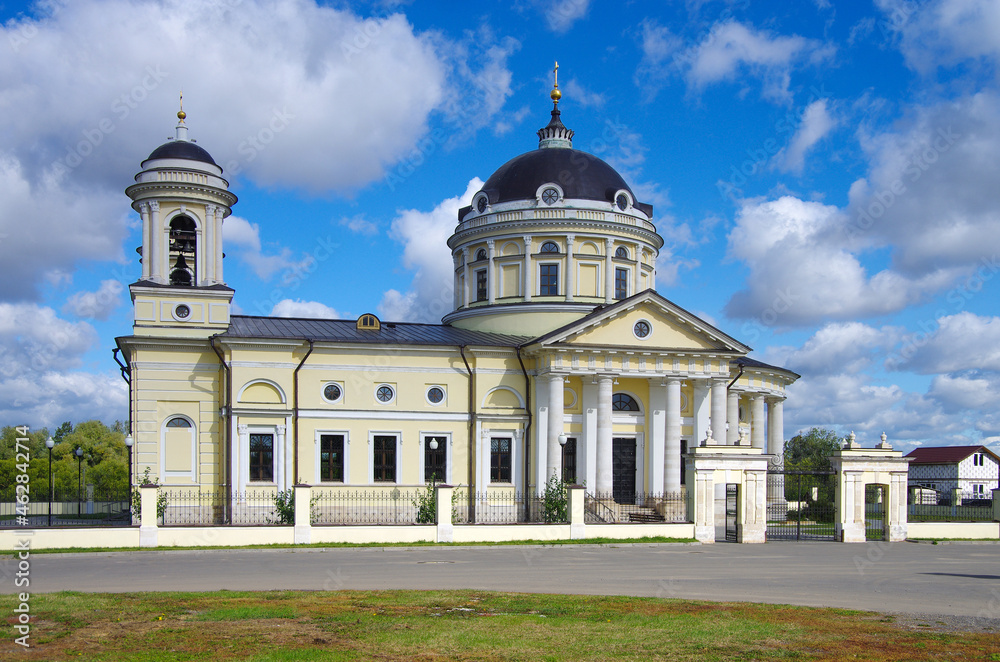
<point x="857" y="467"/>
<point x="711" y="465"/>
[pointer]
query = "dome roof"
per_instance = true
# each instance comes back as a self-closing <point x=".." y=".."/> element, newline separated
<point x="182" y="149"/>
<point x="581" y="175"/>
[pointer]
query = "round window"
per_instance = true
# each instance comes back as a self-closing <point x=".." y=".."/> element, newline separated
<point x="435" y="395"/>
<point x="550" y="196"/>
<point x="622" y="201"/>
<point x="182" y="311"/>
<point x="481" y="204"/>
<point x="641" y="329"/>
<point x="385" y="393"/>
<point x="332" y="392"/>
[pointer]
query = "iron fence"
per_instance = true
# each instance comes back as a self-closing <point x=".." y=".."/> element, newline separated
<point x="194" y="507"/>
<point x="383" y="506"/>
<point x="951" y="500"/>
<point x="648" y="507"/>
<point x="111" y="508"/>
<point x="502" y="506"/>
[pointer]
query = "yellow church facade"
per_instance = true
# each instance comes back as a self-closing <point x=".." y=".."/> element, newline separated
<point x="558" y="359"/>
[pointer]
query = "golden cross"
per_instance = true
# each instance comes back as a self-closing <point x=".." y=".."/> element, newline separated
<point x="556" y="72"/>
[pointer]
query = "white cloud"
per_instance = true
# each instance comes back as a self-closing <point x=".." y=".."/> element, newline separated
<point x="96" y="305"/>
<point x="802" y="271"/>
<point x="952" y="343"/>
<point x="424" y="236"/>
<point x="816" y="123"/>
<point x="237" y="231"/>
<point x="299" y="308"/>
<point x="34" y="339"/>
<point x="358" y="224"/>
<point x="837" y="348"/>
<point x="732" y="49"/>
<point x="575" y="93"/>
<point x="942" y="33"/>
<point x="562" y="14"/>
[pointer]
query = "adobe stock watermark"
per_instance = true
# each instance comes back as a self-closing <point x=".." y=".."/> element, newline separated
<point x="255" y="143"/>
<point x="21" y="35"/>
<point x="916" y="165"/>
<point x="874" y="554"/>
<point x="121" y="107"/>
<point x="783" y="302"/>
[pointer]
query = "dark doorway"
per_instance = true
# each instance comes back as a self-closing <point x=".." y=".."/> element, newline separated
<point x="623" y="469"/>
<point x="569" y="461"/>
<point x="875" y="496"/>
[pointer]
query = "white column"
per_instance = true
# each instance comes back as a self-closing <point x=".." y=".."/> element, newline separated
<point x="491" y="285"/>
<point x="466" y="285"/>
<point x="719" y="410"/>
<point x="157" y="249"/>
<point x="672" y="450"/>
<point x="658" y="433"/>
<point x="775" y="427"/>
<point x="211" y="239"/>
<point x="604" y="454"/>
<point x="637" y="276"/>
<point x="701" y="410"/>
<point x="586" y="454"/>
<point x="757" y="425"/>
<point x="527" y="276"/>
<point x="284" y="456"/>
<point x="570" y="269"/>
<point x="199" y="257"/>
<point x="609" y="270"/>
<point x="219" y="278"/>
<point x="540" y="432"/>
<point x="555" y="426"/>
<point x="733" y="418"/>
<point x="147" y="252"/>
<point x="242" y="454"/>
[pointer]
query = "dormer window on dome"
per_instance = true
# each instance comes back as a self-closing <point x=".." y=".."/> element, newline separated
<point x="369" y="322"/>
<point x="549" y="194"/>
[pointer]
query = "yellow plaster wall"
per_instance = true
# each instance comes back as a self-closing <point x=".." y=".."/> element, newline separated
<point x="667" y="332"/>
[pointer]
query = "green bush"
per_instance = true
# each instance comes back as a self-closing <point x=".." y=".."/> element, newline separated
<point x="555" y="501"/>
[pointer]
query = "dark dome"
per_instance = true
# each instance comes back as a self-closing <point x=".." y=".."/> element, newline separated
<point x="581" y="175"/>
<point x="182" y="149"/>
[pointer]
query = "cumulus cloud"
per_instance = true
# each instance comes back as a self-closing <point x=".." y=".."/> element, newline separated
<point x="843" y="347"/>
<point x="299" y="308"/>
<point x="240" y="232"/>
<point x="358" y="224"/>
<point x="943" y="33"/>
<point x="730" y="50"/>
<point x="953" y="343"/>
<point x="816" y="123"/>
<point x="96" y="305"/>
<point x="424" y="236"/>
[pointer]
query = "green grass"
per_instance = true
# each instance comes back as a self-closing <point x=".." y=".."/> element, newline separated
<point x="587" y="541"/>
<point x="462" y="625"/>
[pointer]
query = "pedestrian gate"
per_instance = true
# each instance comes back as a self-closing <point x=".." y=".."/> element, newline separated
<point x="732" y="510"/>
<point x="800" y="504"/>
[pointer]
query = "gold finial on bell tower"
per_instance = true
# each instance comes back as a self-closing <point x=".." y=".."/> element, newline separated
<point x="180" y="113"/>
<point x="555" y="95"/>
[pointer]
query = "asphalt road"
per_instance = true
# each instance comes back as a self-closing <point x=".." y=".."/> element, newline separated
<point x="952" y="579"/>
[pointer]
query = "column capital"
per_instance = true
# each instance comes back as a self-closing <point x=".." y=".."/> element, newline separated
<point x="609" y="242"/>
<point x="143" y="207"/>
<point x="154" y="205"/>
<point x="280" y="429"/>
<point x="242" y="428"/>
<point x="490" y="243"/>
<point x="570" y="238"/>
<point x="465" y="253"/>
<point x="774" y="399"/>
<point x="527" y="243"/>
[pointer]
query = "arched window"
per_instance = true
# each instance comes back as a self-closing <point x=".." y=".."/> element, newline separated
<point x="621" y="251"/>
<point x="481" y="254"/>
<point x="183" y="242"/>
<point x="178" y="422"/>
<point x="549" y="247"/>
<point x="623" y="402"/>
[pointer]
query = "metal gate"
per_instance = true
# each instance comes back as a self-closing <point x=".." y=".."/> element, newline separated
<point x="800" y="504"/>
<point x="623" y="465"/>
<point x="732" y="509"/>
<point x="875" y="512"/>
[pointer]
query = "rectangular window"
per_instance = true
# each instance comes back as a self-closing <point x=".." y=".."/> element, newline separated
<point x="435" y="460"/>
<point x="569" y="461"/>
<point x="481" y="294"/>
<point x="977" y="489"/>
<point x="262" y="458"/>
<point x="977" y="460"/>
<point x="385" y="459"/>
<point x="331" y="458"/>
<point x="500" y="456"/>
<point x="621" y="283"/>
<point x="548" y="281"/>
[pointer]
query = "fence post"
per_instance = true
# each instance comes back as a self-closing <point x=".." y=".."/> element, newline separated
<point x="577" y="524"/>
<point x="996" y="505"/>
<point x="445" y="528"/>
<point x="302" y="534"/>
<point x="148" y="532"/>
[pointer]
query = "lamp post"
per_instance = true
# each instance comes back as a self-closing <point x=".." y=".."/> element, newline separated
<point x="562" y="455"/>
<point x="79" y="481"/>
<point x="49" y="443"/>
<point x="128" y="491"/>
<point x="433" y="444"/>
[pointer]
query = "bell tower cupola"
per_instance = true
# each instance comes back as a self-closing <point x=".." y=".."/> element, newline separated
<point x="182" y="200"/>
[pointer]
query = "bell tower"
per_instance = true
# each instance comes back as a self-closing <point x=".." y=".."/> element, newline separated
<point x="182" y="200"/>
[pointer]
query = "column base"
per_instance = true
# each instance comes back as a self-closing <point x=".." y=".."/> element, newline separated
<point x="897" y="532"/>
<point x="302" y="535"/>
<point x="751" y="533"/>
<point x="851" y="532"/>
<point x="705" y="534"/>
<point x="148" y="536"/>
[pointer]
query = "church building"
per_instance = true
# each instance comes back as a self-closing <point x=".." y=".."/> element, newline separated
<point x="559" y="358"/>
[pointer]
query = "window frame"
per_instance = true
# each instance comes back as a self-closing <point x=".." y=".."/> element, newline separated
<point x="545" y="248"/>
<point x="379" y="387"/>
<point x="570" y="450"/>
<point x="323" y="478"/>
<point x="615" y="398"/>
<point x="444" y="395"/>
<point x="377" y="477"/>
<point x="250" y="457"/>
<point x="482" y="285"/>
<point x="542" y="285"/>
<point x="346" y="457"/>
<point x="444" y="450"/>
<point x="326" y="385"/>
<point x="622" y="277"/>
<point x="497" y="467"/>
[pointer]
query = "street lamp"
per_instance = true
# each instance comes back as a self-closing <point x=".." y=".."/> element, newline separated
<point x="562" y="455"/>
<point x="79" y="481"/>
<point x="433" y="445"/>
<point x="128" y="492"/>
<point x="49" y="443"/>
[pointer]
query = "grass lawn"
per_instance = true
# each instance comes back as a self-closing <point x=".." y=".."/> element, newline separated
<point x="461" y="625"/>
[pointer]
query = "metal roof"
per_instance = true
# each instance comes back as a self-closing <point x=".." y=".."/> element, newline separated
<point x="346" y="331"/>
<point x="946" y="454"/>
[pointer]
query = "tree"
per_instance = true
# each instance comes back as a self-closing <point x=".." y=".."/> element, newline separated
<point x="811" y="450"/>
<point x="61" y="431"/>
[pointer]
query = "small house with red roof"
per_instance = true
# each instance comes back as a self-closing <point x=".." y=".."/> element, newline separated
<point x="974" y="470"/>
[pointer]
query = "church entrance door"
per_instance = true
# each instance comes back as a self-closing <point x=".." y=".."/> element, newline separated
<point x="623" y="469"/>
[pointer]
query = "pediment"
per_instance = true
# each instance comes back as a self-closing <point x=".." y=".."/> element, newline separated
<point x="670" y="327"/>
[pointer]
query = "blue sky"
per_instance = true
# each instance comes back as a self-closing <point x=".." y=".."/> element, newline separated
<point x="824" y="175"/>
